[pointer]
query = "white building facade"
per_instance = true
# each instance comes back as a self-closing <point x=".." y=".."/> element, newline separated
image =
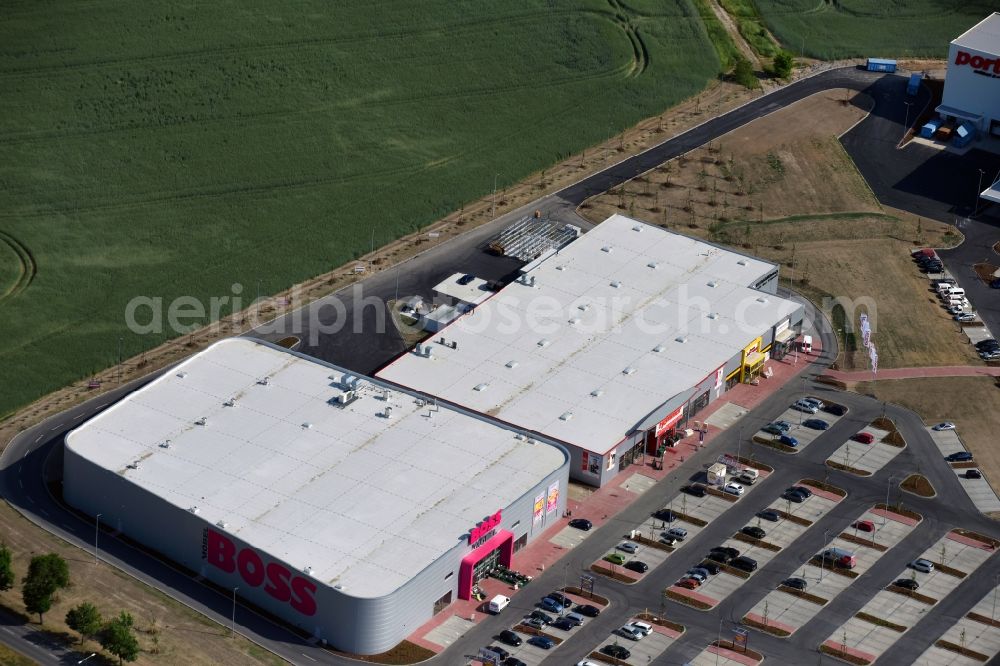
<point x="972" y="85"/>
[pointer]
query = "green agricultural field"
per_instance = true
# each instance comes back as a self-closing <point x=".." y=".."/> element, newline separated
<point x="831" y="29"/>
<point x="165" y="148"/>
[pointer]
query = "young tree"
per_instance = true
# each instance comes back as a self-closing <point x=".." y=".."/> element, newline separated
<point x="783" y="62"/>
<point x="84" y="619"/>
<point x="6" y="569"/>
<point x="46" y="574"/>
<point x="117" y="638"/>
<point x="743" y="73"/>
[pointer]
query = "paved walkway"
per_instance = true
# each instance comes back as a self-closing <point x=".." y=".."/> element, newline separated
<point x="910" y="373"/>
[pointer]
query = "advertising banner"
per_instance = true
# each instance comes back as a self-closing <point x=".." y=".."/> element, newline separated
<point x="669" y="421"/>
<point x="539" y="508"/>
<point x="553" y="500"/>
<point x="584" y="461"/>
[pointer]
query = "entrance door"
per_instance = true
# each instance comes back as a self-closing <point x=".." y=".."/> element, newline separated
<point x="485" y="566"/>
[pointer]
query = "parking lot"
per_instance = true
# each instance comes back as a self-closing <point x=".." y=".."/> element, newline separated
<point x="785" y="612"/>
<point x="865" y="459"/>
<point x="979" y="490"/>
<point x="713" y="656"/>
<point x="644" y="650"/>
<point x="974" y="632"/>
<point x="891" y="612"/>
<point x="804" y="436"/>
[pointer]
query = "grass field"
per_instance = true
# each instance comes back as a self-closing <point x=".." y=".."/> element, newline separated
<point x="831" y="29"/>
<point x="162" y="149"/>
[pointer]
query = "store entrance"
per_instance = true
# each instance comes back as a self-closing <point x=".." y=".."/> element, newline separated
<point x="485" y="566"/>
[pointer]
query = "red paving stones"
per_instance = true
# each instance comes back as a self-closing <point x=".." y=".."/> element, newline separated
<point x="906" y="520"/>
<point x="604" y="503"/>
<point x="666" y="631"/>
<point x="605" y="569"/>
<point x="839" y="647"/>
<point x="691" y="594"/>
<point x="770" y="623"/>
<point x="825" y="494"/>
<point x="969" y="541"/>
<point x="733" y="655"/>
<point x="910" y="373"/>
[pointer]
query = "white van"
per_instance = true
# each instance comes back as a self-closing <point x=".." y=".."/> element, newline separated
<point x="645" y="628"/>
<point x="749" y="476"/>
<point x="498" y="603"/>
<point x="957" y="292"/>
<point x="807" y="344"/>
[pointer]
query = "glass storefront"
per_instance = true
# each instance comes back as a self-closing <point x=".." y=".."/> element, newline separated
<point x="483" y="568"/>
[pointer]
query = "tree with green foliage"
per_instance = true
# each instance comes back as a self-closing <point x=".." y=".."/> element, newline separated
<point x="743" y="73"/>
<point x="117" y="638"/>
<point x="46" y="574"/>
<point x="6" y="568"/>
<point x="783" y="63"/>
<point x="84" y="619"/>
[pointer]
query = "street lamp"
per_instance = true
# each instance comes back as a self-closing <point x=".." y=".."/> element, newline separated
<point x="97" y="528"/>
<point x="978" y="191"/>
<point x="888" y="487"/>
<point x="822" y="560"/>
<point x="906" y="124"/>
<point x="234" y="612"/>
<point x="718" y="642"/>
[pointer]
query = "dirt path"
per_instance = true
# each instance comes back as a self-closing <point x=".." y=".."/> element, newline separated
<point x="734" y="34"/>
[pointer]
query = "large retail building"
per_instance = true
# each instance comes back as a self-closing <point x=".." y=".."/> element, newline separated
<point x="348" y="508"/>
<point x="972" y="84"/>
<point x="612" y="345"/>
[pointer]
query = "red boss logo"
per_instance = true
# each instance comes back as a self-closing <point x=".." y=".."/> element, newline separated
<point x="282" y="585"/>
<point x="978" y="62"/>
<point x="477" y="532"/>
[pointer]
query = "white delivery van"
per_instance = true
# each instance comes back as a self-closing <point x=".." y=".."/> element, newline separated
<point x="749" y="476"/>
<point x="498" y="603"/>
<point x="957" y="292"/>
<point x="807" y="344"/>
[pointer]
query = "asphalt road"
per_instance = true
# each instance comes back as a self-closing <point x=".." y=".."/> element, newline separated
<point x="27" y="456"/>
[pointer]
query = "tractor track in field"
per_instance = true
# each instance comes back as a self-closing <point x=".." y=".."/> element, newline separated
<point x="28" y="270"/>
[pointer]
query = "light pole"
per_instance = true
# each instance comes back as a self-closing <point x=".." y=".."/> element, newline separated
<point x="978" y="191"/>
<point x="97" y="529"/>
<point x="718" y="643"/>
<point x="906" y="123"/>
<point x="888" y="487"/>
<point x="234" y="612"/>
<point x="822" y="560"/>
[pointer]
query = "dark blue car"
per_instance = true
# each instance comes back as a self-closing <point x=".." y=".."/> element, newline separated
<point x="542" y="641"/>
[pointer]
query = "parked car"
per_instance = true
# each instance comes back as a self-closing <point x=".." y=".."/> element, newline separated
<point x="973" y="474"/>
<point x="988" y="342"/>
<point x="836" y="410"/>
<point x="839" y="557"/>
<point x="466" y="279"/>
<point x="615" y="558"/>
<point x="666" y="515"/>
<point x="744" y="563"/>
<point x="795" y="583"/>
<point x="700" y="577"/>
<point x="513" y="661"/>
<point x="754" y="531"/>
<point x="990" y="356"/>
<point x="551" y="605"/>
<point x="581" y="524"/>
<point x="721" y="558"/>
<point x="907" y="583"/>
<point x="543" y="642"/>
<point x="864" y="437"/>
<point x="864" y="525"/>
<point x="540" y="616"/>
<point x="802" y="490"/>
<point x="773" y="429"/>
<point x="645" y="628"/>
<point x="921" y="564"/>
<point x="798" y="498"/>
<point x="564" y="624"/>
<point x="788" y="440"/>
<point x="616" y="651"/>
<point x="561" y="598"/>
<point x="733" y="489"/>
<point x="678" y="533"/>
<point x="698" y="571"/>
<point x="508" y="637"/>
<point x="499" y="650"/>
<point x="630" y="632"/>
<point x="534" y="623"/>
<point x="711" y="567"/>
<point x="959" y="456"/>
<point x="815" y="402"/>
<point x="637" y="566"/>
<point x="965" y="317"/>
<point x="946" y="425"/>
<point x="695" y="489"/>
<point x="816" y="424"/>
<point x="688" y="583"/>
<point x="668" y="541"/>
<point x="587" y="610"/>
<point x="807" y="407"/>
<point x="628" y="547"/>
<point x="769" y="514"/>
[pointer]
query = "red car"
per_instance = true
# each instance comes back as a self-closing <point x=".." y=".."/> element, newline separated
<point x="688" y="583"/>
<point x="864" y="437"/>
<point x="865" y="525"/>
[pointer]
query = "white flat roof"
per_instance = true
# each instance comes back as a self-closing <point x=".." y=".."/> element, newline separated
<point x="553" y="357"/>
<point x="983" y="37"/>
<point x="364" y="500"/>
<point x="475" y="292"/>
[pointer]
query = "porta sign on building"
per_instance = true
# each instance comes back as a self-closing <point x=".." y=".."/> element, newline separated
<point x="279" y="583"/>
<point x="485" y="527"/>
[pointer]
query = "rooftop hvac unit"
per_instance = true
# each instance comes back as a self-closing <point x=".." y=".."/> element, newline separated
<point x="265" y="381"/>
<point x="653" y="265"/>
<point x="230" y="403"/>
<point x="681" y="339"/>
<point x="307" y="571"/>
<point x="387" y="412"/>
<point x="742" y="262"/>
<point x="637" y="227"/>
<point x="165" y="444"/>
<point x="223" y="524"/>
<point x="597" y="393"/>
<point x="202" y="421"/>
<point x="307" y="426"/>
<point x="345" y="397"/>
<point x="566" y="416"/>
<point x="616" y="284"/>
<point x="195" y="510"/>
<point x="629" y="370"/>
<point x="133" y="465"/>
<point x="511" y="364"/>
<point x="182" y="375"/>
